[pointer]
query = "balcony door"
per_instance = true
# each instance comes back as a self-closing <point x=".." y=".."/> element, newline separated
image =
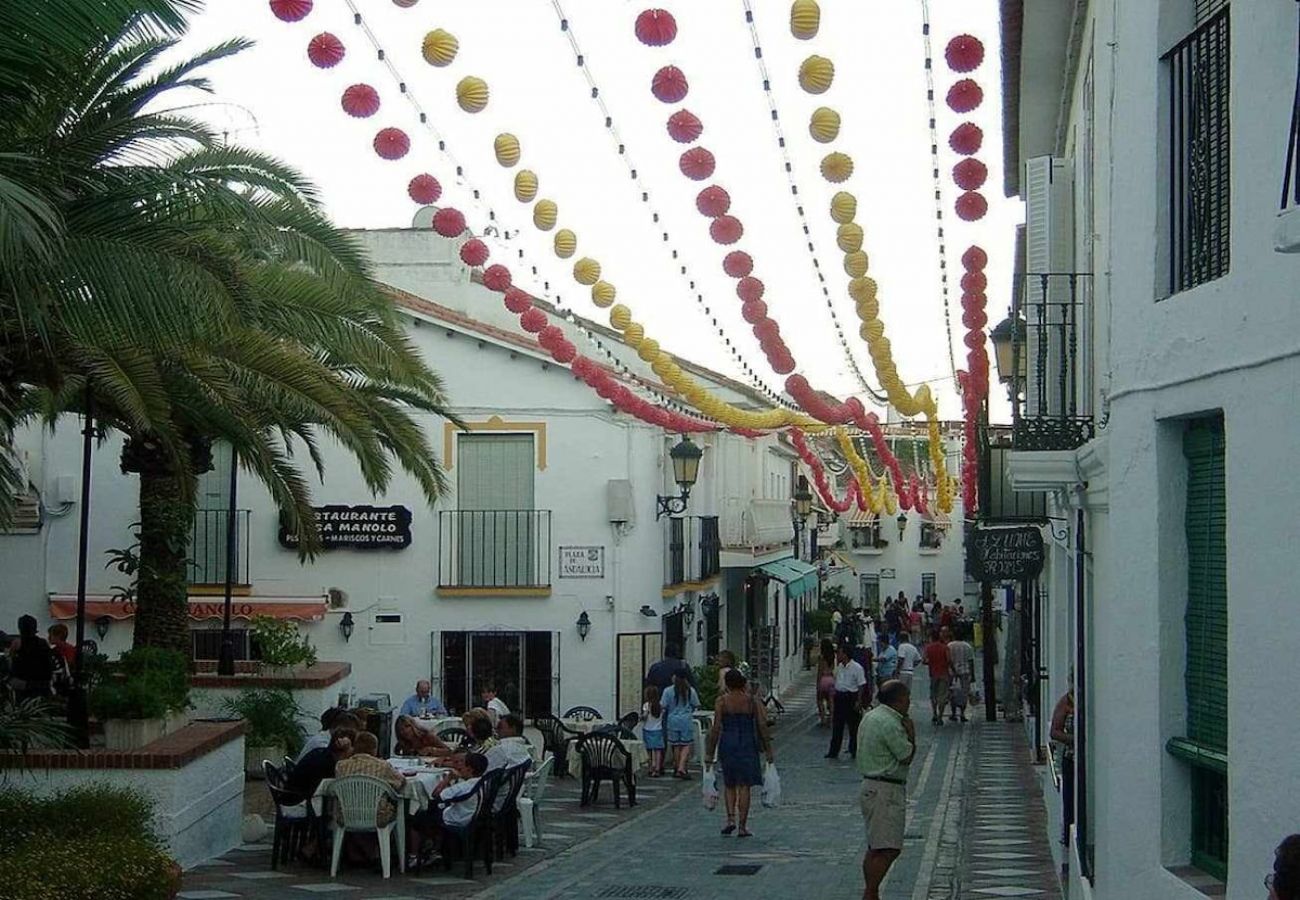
<point x="208" y="539"/>
<point x="496" y="528"/>
<point x="522" y="665"/>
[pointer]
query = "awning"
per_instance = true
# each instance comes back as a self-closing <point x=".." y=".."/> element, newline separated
<point x="305" y="609"/>
<point x="860" y="518"/>
<point x="799" y="577"/>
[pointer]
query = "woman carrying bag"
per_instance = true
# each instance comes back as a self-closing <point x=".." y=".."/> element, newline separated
<point x="738" y="734"/>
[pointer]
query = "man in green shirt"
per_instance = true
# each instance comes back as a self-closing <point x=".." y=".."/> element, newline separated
<point x="886" y="745"/>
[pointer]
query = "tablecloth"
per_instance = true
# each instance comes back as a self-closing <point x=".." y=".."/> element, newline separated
<point x="438" y="723"/>
<point x="640" y="756"/>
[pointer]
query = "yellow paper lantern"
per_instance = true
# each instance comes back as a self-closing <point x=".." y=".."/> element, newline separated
<point x="824" y="125"/>
<point x="849" y="237"/>
<point x="816" y="74"/>
<point x="440" y="48"/>
<point x="805" y="19"/>
<point x="649" y="350"/>
<point x="837" y="167"/>
<point x="844" y="207"/>
<point x="634" y="334"/>
<point x="862" y="289"/>
<point x="566" y="242"/>
<point x="872" y="330"/>
<point x="673" y="375"/>
<point x="472" y="94"/>
<point x="544" y="214"/>
<point x="868" y="308"/>
<point x="880" y="348"/>
<point x="507" y="149"/>
<point x="659" y="365"/>
<point x="525" y="186"/>
<point x="586" y="271"/>
<point x="855" y="264"/>
<point x="602" y="293"/>
<point x="620" y="317"/>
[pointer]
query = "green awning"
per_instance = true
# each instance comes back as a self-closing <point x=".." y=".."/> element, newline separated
<point x="799" y="577"/>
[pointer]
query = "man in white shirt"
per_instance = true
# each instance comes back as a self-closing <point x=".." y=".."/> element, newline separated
<point x="961" y="657"/>
<point x="511" y="747"/>
<point x="496" y="707"/>
<point x="458" y="815"/>
<point x="846" y="711"/>
<point x="908" y="657"/>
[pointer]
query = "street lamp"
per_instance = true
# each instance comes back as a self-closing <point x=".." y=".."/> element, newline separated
<point x="688" y="613"/>
<point x="101" y="626"/>
<point x="802" y="507"/>
<point x="584" y="625"/>
<point x="1005" y="336"/>
<point x="686" y="469"/>
<point x="346" y="625"/>
<point x="902" y="523"/>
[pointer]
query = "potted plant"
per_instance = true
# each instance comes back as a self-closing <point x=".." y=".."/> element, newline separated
<point x="142" y="696"/>
<point x="280" y="646"/>
<point x="274" y="725"/>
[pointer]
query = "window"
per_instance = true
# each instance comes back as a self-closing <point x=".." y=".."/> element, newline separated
<point x="931" y="536"/>
<point x="205" y="643"/>
<point x="869" y="591"/>
<point x="927" y="584"/>
<point x="866" y="536"/>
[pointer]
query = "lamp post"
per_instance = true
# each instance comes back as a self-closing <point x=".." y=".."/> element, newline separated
<point x="802" y="507"/>
<point x="78" y="714"/>
<point x="686" y="469"/>
<point x="902" y="523"/>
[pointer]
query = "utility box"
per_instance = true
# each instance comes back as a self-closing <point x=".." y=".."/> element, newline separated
<point x="618" y="502"/>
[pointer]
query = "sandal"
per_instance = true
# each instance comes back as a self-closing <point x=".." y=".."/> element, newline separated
<point x="731" y="826"/>
<point x="745" y="832"/>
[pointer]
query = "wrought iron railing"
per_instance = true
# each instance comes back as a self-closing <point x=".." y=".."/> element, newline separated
<point x="694" y="549"/>
<point x="1291" y="176"/>
<point x="1051" y="361"/>
<point x="494" y="548"/>
<point x="208" y="543"/>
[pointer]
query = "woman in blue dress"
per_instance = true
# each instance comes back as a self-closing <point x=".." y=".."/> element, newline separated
<point x="738" y="734"/>
<point x="679" y="704"/>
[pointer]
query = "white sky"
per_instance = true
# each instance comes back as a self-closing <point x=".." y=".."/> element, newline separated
<point x="273" y="98"/>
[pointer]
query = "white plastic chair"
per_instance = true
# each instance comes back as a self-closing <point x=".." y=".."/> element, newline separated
<point x="700" y="735"/>
<point x="531" y="799"/>
<point x="357" y="802"/>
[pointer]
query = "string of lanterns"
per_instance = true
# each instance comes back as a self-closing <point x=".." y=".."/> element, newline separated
<point x="879" y="498"/>
<point x="853" y="490"/>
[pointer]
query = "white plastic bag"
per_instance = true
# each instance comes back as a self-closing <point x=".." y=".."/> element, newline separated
<point x="709" y="788"/>
<point x="771" y="787"/>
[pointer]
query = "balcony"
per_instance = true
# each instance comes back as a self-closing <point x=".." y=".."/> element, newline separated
<point x="1051" y="361"/>
<point x="694" y="549"/>
<point x="494" y="550"/>
<point x="208" y="543"/>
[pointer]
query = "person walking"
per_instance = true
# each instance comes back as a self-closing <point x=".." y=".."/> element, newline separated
<point x="846" y="711"/>
<point x="1062" y="732"/>
<point x="886" y="662"/>
<point x="737" y="736"/>
<point x="908" y="658"/>
<point x="935" y="656"/>
<point x="887" y="737"/>
<point x="961" y="659"/>
<point x="661" y="673"/>
<point x="825" y="682"/>
<point x="679" y="704"/>
<point x="652" y="730"/>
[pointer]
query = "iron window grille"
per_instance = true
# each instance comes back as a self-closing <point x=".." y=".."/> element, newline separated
<point x="1051" y="361"/>
<point x="207" y="564"/>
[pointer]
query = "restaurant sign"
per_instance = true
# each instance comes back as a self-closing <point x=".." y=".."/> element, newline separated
<point x="582" y="562"/>
<point x="360" y="527"/>
<point x="1005" y="554"/>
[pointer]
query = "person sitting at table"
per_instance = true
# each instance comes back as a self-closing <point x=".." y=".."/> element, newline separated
<point x="495" y="706"/>
<point x="459" y="781"/>
<point x="422" y="702"/>
<point x="481" y="736"/>
<point x="512" y="748"/>
<point x="334" y="717"/>
<point x="321" y="763"/>
<point x="364" y="848"/>
<point x="412" y="740"/>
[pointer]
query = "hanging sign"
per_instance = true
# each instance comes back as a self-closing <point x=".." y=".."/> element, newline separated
<point x="1005" y="554"/>
<point x="582" y="562"/>
<point x="360" y="527"/>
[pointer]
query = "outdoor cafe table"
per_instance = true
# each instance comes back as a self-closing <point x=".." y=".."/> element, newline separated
<point x="416" y="793"/>
<point x="640" y="756"/>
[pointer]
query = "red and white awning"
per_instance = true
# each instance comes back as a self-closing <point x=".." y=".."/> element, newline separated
<point x="305" y="609"/>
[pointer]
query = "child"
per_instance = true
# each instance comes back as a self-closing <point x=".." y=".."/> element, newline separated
<point x="652" y="730"/>
<point x="680" y="704"/>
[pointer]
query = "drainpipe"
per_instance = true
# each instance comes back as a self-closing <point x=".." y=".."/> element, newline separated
<point x="1080" y="689"/>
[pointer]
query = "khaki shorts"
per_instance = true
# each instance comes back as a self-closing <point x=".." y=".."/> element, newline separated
<point x="939" y="691"/>
<point x="884" y="811"/>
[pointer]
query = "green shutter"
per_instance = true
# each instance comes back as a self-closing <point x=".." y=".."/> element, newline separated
<point x="1207" y="587"/>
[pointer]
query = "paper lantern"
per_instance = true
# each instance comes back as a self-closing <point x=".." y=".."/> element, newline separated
<point x="564" y="352"/>
<point x="586" y="271"/>
<point x="449" y="222"/>
<point x="713" y="201"/>
<point x="620" y="317"/>
<point x="566" y="242"/>
<point x="550" y="336"/>
<point x="656" y="28"/>
<point x="974" y="282"/>
<point x="862" y="289"/>
<point x="392" y="143"/>
<point x="855" y="264"/>
<point x="970" y="174"/>
<point x="497" y="278"/>
<point x="697" y="164"/>
<point x="974" y="339"/>
<point x="837" y="167"/>
<point x="440" y="48"/>
<point x="472" y="94"/>
<point x="474" y="252"/>
<point x="634" y="334"/>
<point x="754" y="311"/>
<point x="966" y="139"/>
<point x="603" y="293"/>
<point x="648" y="350"/>
<point x="545" y="214"/>
<point x="849" y="237"/>
<point x="867" y="308"/>
<point x="974" y="259"/>
<point x="405" y="4"/>
<point x="750" y="289"/>
<point x="290" y="10"/>
<point x="533" y="320"/>
<point x="506" y="147"/>
<point x="424" y="189"/>
<point x="964" y="96"/>
<point x="670" y="85"/>
<point x="325" y="50"/>
<point x="517" y="301"/>
<point x="360" y="101"/>
<point x="726" y="230"/>
<point x="685" y="127"/>
<point x="782" y="362"/>
<point x="824" y="126"/>
<point x="844" y="207"/>
<point x="805" y="19"/>
<point x="872" y="331"/>
<point x="974" y="318"/>
<point x="964" y="53"/>
<point x="816" y="74"/>
<point x="971" y="206"/>
<point x="973" y="300"/>
<point x="525" y="186"/>
<point x="738" y="264"/>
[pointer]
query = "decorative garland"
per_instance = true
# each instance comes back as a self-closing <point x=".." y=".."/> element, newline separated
<point x="853" y="490"/>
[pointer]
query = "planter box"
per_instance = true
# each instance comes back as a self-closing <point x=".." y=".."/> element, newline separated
<point x="253" y="756"/>
<point x="132" y="734"/>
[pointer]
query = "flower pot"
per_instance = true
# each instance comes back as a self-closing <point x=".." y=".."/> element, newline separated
<point x="132" y="734"/>
<point x="253" y="756"/>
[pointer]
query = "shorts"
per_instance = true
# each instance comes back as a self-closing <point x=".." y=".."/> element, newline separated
<point x="679" y="736"/>
<point x="939" y="691"/>
<point x="884" y="813"/>
<point x="654" y="739"/>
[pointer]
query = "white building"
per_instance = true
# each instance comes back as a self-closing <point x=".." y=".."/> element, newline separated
<point x="1160" y="374"/>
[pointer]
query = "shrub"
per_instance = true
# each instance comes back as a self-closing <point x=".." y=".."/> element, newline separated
<point x="272" y="715"/>
<point x="279" y="643"/>
<point x="115" y="812"/>
<point x="31" y="724"/>
<point x="145" y="683"/>
<point x="706" y="685"/>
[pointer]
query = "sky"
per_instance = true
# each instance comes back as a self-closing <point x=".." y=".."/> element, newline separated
<point x="272" y="98"/>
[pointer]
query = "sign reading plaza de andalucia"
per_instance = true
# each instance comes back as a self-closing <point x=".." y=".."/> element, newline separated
<point x="359" y="527"/>
<point x="1005" y="554"/>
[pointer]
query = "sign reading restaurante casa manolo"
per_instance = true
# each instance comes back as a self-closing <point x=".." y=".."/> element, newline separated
<point x="1005" y="554"/>
<point x="360" y="527"/>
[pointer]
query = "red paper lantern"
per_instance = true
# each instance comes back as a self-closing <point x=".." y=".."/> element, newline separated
<point x="713" y="201"/>
<point x="971" y="206"/>
<point x="726" y="230"/>
<point x="754" y="311"/>
<point x="973" y="300"/>
<point x="564" y="352"/>
<point x="290" y="10"/>
<point x="797" y="386"/>
<point x="697" y="164"/>
<point x="685" y="127"/>
<point x="360" y="101"/>
<point x="964" y="96"/>
<point x="783" y="364"/>
<point x="974" y="259"/>
<point x="738" y="264"/>
<point x="550" y="336"/>
<point x="518" y="301"/>
<point x="766" y="330"/>
<point x="854" y="407"/>
<point x="656" y="27"/>
<point x="974" y="282"/>
<point x="970" y="174"/>
<point x="533" y="320"/>
<point x="964" y="53"/>
<point x="750" y="289"/>
<point x="424" y="189"/>
<point x="670" y="85"/>
<point x="966" y="139"/>
<point x="496" y="278"/>
<point x="974" y="318"/>
<point x="325" y="50"/>
<point x="449" y="222"/>
<point x="474" y="252"/>
<point x="583" y="367"/>
<point x="392" y="143"/>
<point x="974" y="339"/>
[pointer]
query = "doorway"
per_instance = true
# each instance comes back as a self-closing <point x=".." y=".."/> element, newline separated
<point x="518" y="663"/>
